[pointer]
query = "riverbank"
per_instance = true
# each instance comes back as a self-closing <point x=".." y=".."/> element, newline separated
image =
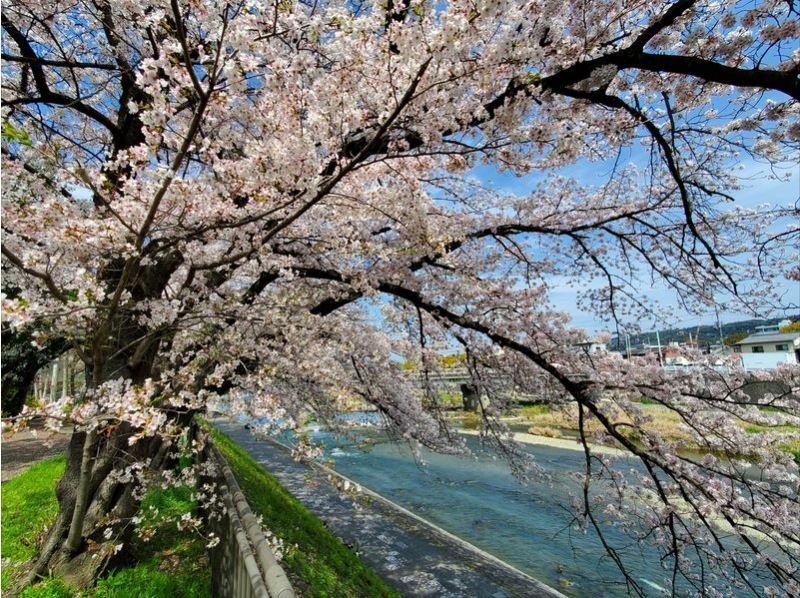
<point x="560" y="443"/>
<point x="545" y="425"/>
<point x="413" y="555"/>
<point x="315" y="560"/>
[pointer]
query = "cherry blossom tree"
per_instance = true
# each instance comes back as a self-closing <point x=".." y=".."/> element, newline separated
<point x="266" y="201"/>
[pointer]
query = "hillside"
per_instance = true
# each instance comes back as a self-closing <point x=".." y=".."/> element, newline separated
<point x="707" y="334"/>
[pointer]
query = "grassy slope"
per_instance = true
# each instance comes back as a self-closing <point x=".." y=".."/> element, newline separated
<point x="172" y="564"/>
<point x="320" y="565"/>
<point x="549" y="422"/>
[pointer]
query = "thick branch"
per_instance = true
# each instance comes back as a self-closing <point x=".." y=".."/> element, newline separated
<point x="72" y="64"/>
<point x="43" y="276"/>
<point x="46" y="95"/>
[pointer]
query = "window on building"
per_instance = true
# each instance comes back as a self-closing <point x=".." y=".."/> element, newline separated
<point x="781" y="347"/>
<point x="737" y="349"/>
<point x="758" y="348"/>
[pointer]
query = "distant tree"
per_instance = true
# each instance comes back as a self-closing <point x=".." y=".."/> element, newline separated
<point x="21" y="359"/>
<point x="793" y="327"/>
<point x="735" y="338"/>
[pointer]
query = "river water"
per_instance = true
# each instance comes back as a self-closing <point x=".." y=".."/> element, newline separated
<point x="478" y="499"/>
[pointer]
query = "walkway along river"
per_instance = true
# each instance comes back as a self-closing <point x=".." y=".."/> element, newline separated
<point x="474" y="498"/>
<point x="417" y="558"/>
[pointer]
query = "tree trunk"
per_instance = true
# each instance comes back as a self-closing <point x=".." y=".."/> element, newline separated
<point x="71" y="381"/>
<point x="95" y="508"/>
<point x="45" y="384"/>
<point x="65" y="376"/>
<point x="54" y="381"/>
<point x="91" y="502"/>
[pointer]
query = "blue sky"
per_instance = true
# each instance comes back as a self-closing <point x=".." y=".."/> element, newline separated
<point x="757" y="189"/>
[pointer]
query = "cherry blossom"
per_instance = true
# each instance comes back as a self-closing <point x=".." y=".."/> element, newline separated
<point x="264" y="204"/>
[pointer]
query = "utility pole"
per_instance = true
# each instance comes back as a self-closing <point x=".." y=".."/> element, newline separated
<point x="719" y="329"/>
<point x="660" y="355"/>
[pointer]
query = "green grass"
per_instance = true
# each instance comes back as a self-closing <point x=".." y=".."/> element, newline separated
<point x="758" y="428"/>
<point x="450" y="400"/>
<point x="646" y="401"/>
<point x="792" y="447"/>
<point x="171" y="564"/>
<point x="533" y="410"/>
<point x="320" y="565"/>
<point x="29" y="506"/>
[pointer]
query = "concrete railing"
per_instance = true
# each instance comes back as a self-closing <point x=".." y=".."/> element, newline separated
<point x="242" y="564"/>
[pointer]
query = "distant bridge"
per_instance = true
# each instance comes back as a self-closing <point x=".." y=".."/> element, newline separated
<point x="453" y="379"/>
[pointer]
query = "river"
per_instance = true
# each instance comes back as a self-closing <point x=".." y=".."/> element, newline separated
<point x="478" y="499"/>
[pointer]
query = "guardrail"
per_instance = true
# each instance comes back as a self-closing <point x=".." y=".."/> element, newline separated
<point x="242" y="564"/>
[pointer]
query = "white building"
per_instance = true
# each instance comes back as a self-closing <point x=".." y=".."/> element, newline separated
<point x="766" y="350"/>
<point x="590" y="347"/>
<point x="772" y="328"/>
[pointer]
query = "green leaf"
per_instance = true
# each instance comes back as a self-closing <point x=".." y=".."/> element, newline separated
<point x="15" y="135"/>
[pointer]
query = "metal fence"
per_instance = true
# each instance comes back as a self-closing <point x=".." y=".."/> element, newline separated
<point x="242" y="564"/>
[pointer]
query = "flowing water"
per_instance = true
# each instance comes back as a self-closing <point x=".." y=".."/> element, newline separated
<point x="478" y="499"/>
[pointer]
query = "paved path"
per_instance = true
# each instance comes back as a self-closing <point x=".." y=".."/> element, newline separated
<point x="416" y="557"/>
<point x="20" y="451"/>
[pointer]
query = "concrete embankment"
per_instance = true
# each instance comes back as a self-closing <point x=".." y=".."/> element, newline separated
<point x="415" y="556"/>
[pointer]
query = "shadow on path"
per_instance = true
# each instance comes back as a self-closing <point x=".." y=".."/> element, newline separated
<point x="413" y="555"/>
<point x="20" y="451"/>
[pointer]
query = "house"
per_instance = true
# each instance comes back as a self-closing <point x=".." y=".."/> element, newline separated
<point x="674" y="354"/>
<point x="590" y="347"/>
<point x="772" y="328"/>
<point x="766" y="350"/>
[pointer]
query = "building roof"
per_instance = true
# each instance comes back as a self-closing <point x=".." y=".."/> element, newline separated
<point x="760" y="339"/>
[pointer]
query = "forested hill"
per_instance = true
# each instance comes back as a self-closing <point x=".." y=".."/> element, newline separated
<point x="707" y="334"/>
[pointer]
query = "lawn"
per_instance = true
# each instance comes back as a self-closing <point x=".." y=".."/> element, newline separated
<point x="29" y="506"/>
<point x="172" y="564"/>
<point x="319" y="564"/>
